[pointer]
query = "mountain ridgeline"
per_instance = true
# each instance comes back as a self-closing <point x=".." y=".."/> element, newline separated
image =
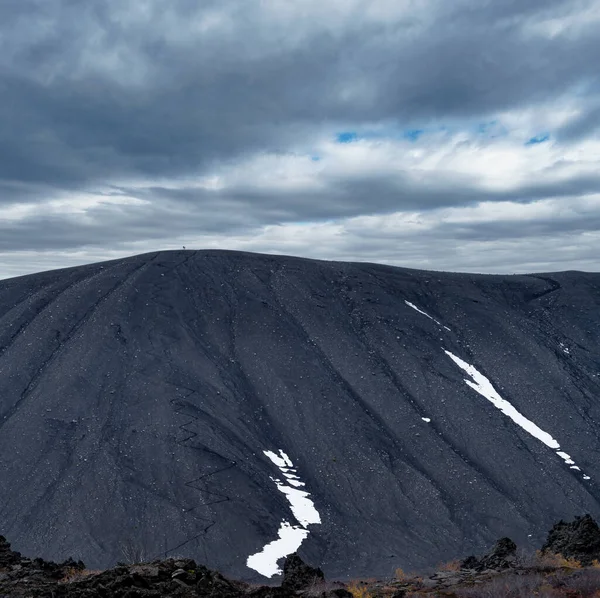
<point x="232" y="407"/>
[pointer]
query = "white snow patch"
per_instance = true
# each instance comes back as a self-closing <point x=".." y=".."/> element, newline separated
<point x="296" y="483"/>
<point x="425" y="314"/>
<point x="484" y="387"/>
<point x="290" y="536"/>
<point x="265" y="561"/>
<point x="302" y="507"/>
<point x="565" y="457"/>
<point x="282" y="460"/>
<point x="426" y="419"/>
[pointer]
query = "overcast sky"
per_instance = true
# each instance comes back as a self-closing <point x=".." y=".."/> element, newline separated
<point x="451" y="135"/>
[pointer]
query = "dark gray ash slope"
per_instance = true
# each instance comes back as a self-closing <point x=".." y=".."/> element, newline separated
<point x="137" y="397"/>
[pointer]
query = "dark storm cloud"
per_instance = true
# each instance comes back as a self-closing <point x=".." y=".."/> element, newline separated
<point x="169" y="213"/>
<point x="585" y="125"/>
<point x="354" y="195"/>
<point x="67" y="122"/>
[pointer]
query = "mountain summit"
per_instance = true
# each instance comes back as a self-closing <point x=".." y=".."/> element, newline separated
<point x="235" y="407"/>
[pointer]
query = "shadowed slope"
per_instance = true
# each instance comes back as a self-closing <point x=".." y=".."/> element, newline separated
<point x="137" y="397"/>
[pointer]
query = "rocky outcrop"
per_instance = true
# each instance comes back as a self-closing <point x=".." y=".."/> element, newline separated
<point x="579" y="539"/>
<point x="17" y="570"/>
<point x="502" y="556"/>
<point x="297" y="575"/>
<point x="21" y="577"/>
<point x="496" y="571"/>
<point x="7" y="556"/>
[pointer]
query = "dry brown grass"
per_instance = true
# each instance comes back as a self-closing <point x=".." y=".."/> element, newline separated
<point x="359" y="590"/>
<point x="73" y="574"/>
<point x="511" y="586"/>
<point x="562" y="582"/>
<point x="555" y="561"/>
<point x="450" y="566"/>
<point x="400" y="574"/>
<point x="316" y="590"/>
<point x="584" y="583"/>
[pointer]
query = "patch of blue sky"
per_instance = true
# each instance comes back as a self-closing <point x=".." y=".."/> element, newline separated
<point x="347" y="137"/>
<point x="538" y="139"/>
<point x="388" y="133"/>
<point x="412" y="134"/>
<point x="491" y="129"/>
<point x="486" y="127"/>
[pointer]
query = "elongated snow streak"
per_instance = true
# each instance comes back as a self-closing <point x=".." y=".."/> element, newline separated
<point x="425" y="314"/>
<point x="290" y="536"/>
<point x="484" y="387"/>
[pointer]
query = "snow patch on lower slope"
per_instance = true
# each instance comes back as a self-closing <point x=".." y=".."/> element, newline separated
<point x="290" y="536"/>
<point x="484" y="387"/>
<point x="290" y="539"/>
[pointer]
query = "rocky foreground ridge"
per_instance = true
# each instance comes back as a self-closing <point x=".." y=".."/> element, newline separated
<point x="567" y="565"/>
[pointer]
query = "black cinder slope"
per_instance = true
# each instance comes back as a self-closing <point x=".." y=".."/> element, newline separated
<point x="138" y="398"/>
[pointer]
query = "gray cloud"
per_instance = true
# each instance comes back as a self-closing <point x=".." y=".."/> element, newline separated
<point x="138" y="98"/>
<point x="585" y="125"/>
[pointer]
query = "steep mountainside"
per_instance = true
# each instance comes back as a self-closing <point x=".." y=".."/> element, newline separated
<point x="144" y="403"/>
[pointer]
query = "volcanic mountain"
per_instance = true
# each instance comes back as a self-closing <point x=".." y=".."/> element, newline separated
<point x="233" y="407"/>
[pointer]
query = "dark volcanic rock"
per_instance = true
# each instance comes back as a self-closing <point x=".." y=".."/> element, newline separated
<point x="271" y="592"/>
<point x="171" y="578"/>
<point x="211" y="583"/>
<point x="137" y="398"/>
<point x="471" y="562"/>
<point x="579" y="539"/>
<point x="7" y="556"/>
<point x="336" y="593"/>
<point x="502" y="556"/>
<point x="22" y="577"/>
<point x="297" y="575"/>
